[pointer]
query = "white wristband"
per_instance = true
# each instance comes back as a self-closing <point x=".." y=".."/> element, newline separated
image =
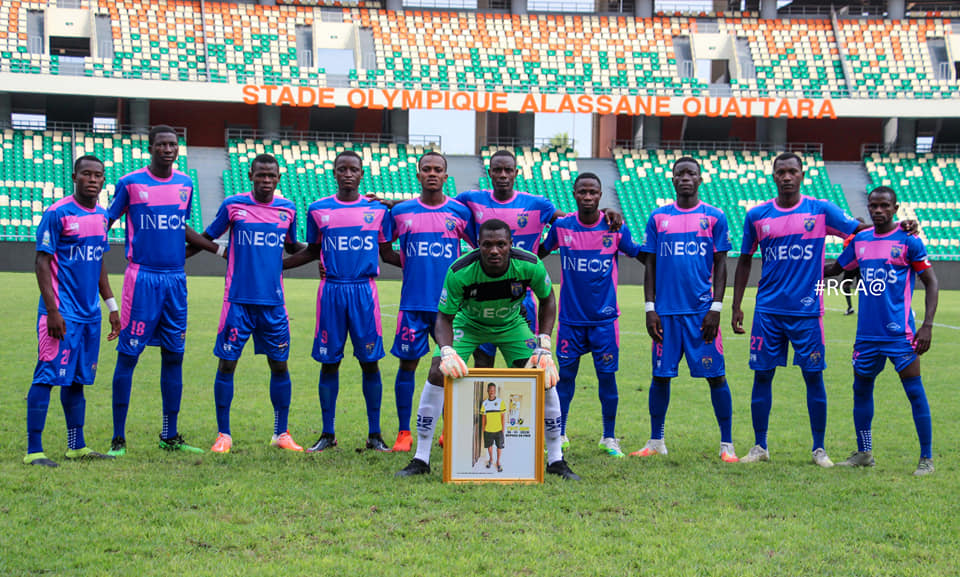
<point x="543" y="341"/>
<point x="221" y="249"/>
<point x="716" y="306"/>
<point x="112" y="305"/>
<point x="649" y="307"/>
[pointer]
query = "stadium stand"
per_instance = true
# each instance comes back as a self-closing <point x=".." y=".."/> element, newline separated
<point x="926" y="188"/>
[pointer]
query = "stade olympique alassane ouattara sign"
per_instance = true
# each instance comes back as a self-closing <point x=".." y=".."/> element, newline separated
<point x="631" y="105"/>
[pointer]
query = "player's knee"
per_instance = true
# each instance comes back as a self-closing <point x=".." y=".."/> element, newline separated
<point x="661" y="381"/>
<point x="278" y="368"/>
<point x="227" y="367"/>
<point x="370" y="368"/>
<point x="330" y="368"/>
<point x="716" y="382"/>
<point x="168" y="356"/>
<point x="409" y="365"/>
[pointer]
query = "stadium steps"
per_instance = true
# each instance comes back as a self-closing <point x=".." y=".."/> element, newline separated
<point x="209" y="162"/>
<point x="853" y="178"/>
<point x="606" y="169"/>
<point x="466" y="171"/>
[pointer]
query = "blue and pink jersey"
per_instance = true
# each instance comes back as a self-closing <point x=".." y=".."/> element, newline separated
<point x="157" y="211"/>
<point x="526" y="214"/>
<point x="77" y="238"/>
<point x="349" y="234"/>
<point x="889" y="264"/>
<point x="258" y="234"/>
<point x="429" y="243"/>
<point x="684" y="242"/>
<point x="792" y="249"/>
<point x="588" y="257"/>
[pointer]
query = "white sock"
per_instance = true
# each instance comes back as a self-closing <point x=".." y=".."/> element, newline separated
<point x="551" y="425"/>
<point x="430" y="409"/>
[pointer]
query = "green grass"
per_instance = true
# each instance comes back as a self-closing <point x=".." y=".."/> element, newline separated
<point x="261" y="512"/>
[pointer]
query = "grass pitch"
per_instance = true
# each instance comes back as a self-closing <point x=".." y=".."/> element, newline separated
<point x="258" y="511"/>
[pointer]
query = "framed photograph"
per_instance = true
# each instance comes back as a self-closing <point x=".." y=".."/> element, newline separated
<point x="493" y="427"/>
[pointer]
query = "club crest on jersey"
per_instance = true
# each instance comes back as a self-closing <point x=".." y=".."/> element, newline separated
<point x="370" y="347"/>
<point x="809" y="223"/>
<point x="368" y="217"/>
<point x="607" y="241"/>
<point x="896" y="251"/>
<point x="184" y="194"/>
<point x="283" y="216"/>
<point x="607" y="358"/>
<point x="450" y="224"/>
<point x="815" y="357"/>
<point x="704" y="223"/>
<point x="522" y="219"/>
<point x="516" y="289"/>
<point x="707" y="362"/>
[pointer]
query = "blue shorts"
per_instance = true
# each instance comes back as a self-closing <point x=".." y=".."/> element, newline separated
<point x="869" y="357"/>
<point x="771" y="333"/>
<point x="414" y="329"/>
<point x="352" y="307"/>
<point x="268" y="324"/>
<point x="154" y="311"/>
<point x="529" y="312"/>
<point x="574" y="341"/>
<point x="71" y="360"/>
<point x="682" y="335"/>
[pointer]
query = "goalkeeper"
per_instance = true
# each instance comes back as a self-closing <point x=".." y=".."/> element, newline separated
<point x="481" y="303"/>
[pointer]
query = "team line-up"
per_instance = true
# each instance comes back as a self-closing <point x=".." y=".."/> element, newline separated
<point x="471" y="304"/>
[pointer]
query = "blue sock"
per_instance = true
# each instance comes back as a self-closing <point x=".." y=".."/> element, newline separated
<point x="38" y="400"/>
<point x="609" y="399"/>
<point x="223" y="397"/>
<point x="566" y="388"/>
<point x="659" y="401"/>
<point x="280" y="392"/>
<point x="913" y="386"/>
<point x="122" y="384"/>
<point x="74" y="409"/>
<point x="761" y="400"/>
<point x="171" y="390"/>
<point x="403" y="389"/>
<point x="723" y="410"/>
<point x="329" y="389"/>
<point x="863" y="411"/>
<point x="816" y="406"/>
<point x="373" y="395"/>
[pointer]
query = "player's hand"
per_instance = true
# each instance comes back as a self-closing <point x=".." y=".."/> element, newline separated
<point x="322" y="270"/>
<point x="921" y="340"/>
<point x="114" y="325"/>
<point x="910" y="227"/>
<point x="614" y="219"/>
<point x="56" y="326"/>
<point x="654" y="328"/>
<point x="737" y="322"/>
<point x="542" y="358"/>
<point x="711" y="326"/>
<point x="451" y="365"/>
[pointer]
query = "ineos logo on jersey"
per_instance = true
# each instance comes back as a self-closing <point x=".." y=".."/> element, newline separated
<point x="430" y="249"/>
<point x="788" y="252"/>
<point x="586" y="264"/>
<point x="86" y="253"/>
<point x="681" y="248"/>
<point x="348" y="243"/>
<point x="260" y="238"/>
<point x="162" y="222"/>
<point x="879" y="274"/>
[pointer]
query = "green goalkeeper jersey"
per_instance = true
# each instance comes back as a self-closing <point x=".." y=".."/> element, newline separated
<point x="492" y="301"/>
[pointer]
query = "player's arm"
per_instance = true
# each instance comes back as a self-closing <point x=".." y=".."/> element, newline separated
<point x="106" y="293"/>
<point x="483" y="425"/>
<point x="390" y="256"/>
<point x="740" y="278"/>
<point x="387" y="202"/>
<point x="711" y="322"/>
<point x="202" y="242"/>
<point x="56" y="326"/>
<point x="924" y="336"/>
<point x="309" y="254"/>
<point x="654" y="327"/>
<point x="833" y="269"/>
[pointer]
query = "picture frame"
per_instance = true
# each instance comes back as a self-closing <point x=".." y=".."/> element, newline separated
<point x="473" y="454"/>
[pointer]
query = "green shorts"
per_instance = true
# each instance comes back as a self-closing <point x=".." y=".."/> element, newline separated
<point x="515" y="340"/>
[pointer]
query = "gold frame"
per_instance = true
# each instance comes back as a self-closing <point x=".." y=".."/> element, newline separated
<point x="535" y="379"/>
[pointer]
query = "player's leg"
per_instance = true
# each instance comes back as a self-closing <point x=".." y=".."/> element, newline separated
<point x="604" y="343"/>
<point x="411" y="342"/>
<point x="366" y="334"/>
<point x="806" y="335"/>
<point x="86" y="350"/>
<point x="705" y="361"/>
<point x="570" y="341"/>
<point x="171" y="334"/>
<point x="55" y="366"/>
<point x="768" y="350"/>
<point x="498" y="441"/>
<point x="38" y="401"/>
<point x="488" y="443"/>
<point x="403" y="389"/>
<point x="271" y="337"/>
<point x="328" y="342"/>
<point x="913" y="387"/>
<point x="485" y="356"/>
<point x="666" y="357"/>
<point x="867" y="364"/>
<point x="223" y="398"/>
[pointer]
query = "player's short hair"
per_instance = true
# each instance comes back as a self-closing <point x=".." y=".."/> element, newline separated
<point x="689" y="159"/>
<point x="785" y="156"/>
<point x="349" y="153"/>
<point x="90" y="157"/>
<point x="491" y="384"/>
<point x="265" y="159"/>
<point x="160" y="129"/>
<point x="884" y="190"/>
<point x="505" y="153"/>
<point x="494" y="224"/>
<point x="432" y="153"/>
<point x="586" y="176"/>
